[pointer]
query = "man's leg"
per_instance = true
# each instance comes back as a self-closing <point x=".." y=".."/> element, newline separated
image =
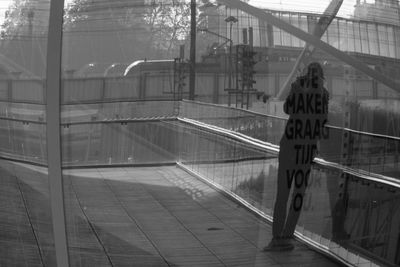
<point x="284" y="183"/>
<point x="297" y="201"/>
<point x="282" y="196"/>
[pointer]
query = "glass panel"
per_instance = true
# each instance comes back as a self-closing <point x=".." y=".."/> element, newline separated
<point x="26" y="227"/>
<point x="256" y="32"/>
<point x="312" y="21"/>
<point x="277" y="36"/>
<point x="294" y="20"/>
<point x="245" y="23"/>
<point x="126" y="122"/>
<point x="375" y="43"/>
<point x="344" y="36"/>
<point x="364" y="38"/>
<point x="357" y="37"/>
<point x="383" y="40"/>
<point x="236" y="30"/>
<point x="286" y="37"/>
<point x="333" y="34"/>
<point x="392" y="45"/>
<point x="351" y="36"/>
<point x="397" y="36"/>
<point x="331" y="210"/>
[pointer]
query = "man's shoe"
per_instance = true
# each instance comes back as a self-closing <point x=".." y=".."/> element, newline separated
<point x="279" y="245"/>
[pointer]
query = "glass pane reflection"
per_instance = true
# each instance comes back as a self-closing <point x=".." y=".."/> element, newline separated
<point x="26" y="230"/>
<point x="126" y="66"/>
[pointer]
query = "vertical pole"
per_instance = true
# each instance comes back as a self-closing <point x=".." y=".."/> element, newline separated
<point x="192" y="75"/>
<point x="53" y="85"/>
<point x="251" y="38"/>
<point x="230" y="56"/>
<point x="31" y="15"/>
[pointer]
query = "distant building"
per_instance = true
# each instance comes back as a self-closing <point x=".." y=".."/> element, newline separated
<point x="382" y="11"/>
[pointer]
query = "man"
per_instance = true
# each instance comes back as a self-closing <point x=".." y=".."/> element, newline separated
<point x="307" y="107"/>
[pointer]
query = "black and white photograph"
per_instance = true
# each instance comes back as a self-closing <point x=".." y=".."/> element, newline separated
<point x="199" y="133"/>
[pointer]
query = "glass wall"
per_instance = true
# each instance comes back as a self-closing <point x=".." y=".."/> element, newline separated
<point x="26" y="223"/>
<point x="118" y="89"/>
<point x="360" y="150"/>
<point x="345" y="214"/>
<point x="126" y="72"/>
<point x="370" y="33"/>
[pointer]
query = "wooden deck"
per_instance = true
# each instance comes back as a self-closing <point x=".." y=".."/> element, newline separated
<point x="159" y="216"/>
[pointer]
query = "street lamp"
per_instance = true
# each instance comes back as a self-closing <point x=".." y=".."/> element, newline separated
<point x="231" y="20"/>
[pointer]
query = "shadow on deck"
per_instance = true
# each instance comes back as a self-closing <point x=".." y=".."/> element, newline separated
<point x="158" y="216"/>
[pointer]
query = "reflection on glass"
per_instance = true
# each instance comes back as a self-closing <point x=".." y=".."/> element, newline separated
<point x="350" y="37"/>
<point x="333" y="34"/>
<point x="383" y="40"/>
<point x="125" y="70"/>
<point x="357" y="37"/>
<point x="392" y="52"/>
<point x="344" y="36"/>
<point x="336" y="205"/>
<point x="364" y="38"/>
<point x="375" y="42"/>
<point x="397" y="38"/>
<point x="26" y="228"/>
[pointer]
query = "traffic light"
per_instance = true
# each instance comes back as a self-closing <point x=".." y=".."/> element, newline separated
<point x="248" y="63"/>
<point x="180" y="76"/>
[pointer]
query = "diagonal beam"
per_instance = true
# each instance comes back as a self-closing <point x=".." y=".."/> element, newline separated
<point x="18" y="67"/>
<point x="305" y="55"/>
<point x="315" y="41"/>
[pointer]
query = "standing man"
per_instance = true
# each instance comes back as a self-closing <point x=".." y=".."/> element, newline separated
<point x="307" y="107"/>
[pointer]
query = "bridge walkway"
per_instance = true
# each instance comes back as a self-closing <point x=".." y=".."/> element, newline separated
<point x="154" y="216"/>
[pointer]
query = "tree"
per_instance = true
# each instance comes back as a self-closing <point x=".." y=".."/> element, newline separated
<point x="106" y="31"/>
<point x="24" y="18"/>
<point x="23" y="37"/>
<point x="161" y="25"/>
<point x="169" y="24"/>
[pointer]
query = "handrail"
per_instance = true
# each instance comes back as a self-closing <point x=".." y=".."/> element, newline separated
<point x="127" y="120"/>
<point x="243" y="138"/>
<point x="22" y="120"/>
<point x="282" y="118"/>
<point x="271" y="148"/>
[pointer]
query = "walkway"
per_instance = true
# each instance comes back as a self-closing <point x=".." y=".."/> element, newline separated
<point x="159" y="216"/>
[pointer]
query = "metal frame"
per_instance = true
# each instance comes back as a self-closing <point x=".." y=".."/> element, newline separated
<point x="53" y="85"/>
<point x="271" y="19"/>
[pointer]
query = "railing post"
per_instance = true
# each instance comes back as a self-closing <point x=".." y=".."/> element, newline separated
<point x="193" y="32"/>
